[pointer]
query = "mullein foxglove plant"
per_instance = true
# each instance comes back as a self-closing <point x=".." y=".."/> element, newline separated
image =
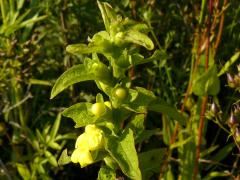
<point x="115" y="124"/>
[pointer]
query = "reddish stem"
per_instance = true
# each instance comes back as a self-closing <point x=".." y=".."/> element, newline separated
<point x="205" y="98"/>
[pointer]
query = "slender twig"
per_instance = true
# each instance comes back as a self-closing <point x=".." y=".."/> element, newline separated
<point x="220" y="30"/>
<point x="5" y="170"/>
<point x="18" y="103"/>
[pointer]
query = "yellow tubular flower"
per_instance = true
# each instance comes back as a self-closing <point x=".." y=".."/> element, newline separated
<point x="82" y="156"/>
<point x="82" y="141"/>
<point x="94" y="137"/>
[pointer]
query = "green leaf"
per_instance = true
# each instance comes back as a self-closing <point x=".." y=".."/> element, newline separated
<point x="100" y="43"/>
<point x="51" y="159"/>
<point x="73" y="75"/>
<point x="99" y="98"/>
<point x="77" y="49"/>
<point x="226" y="66"/>
<point x="222" y="153"/>
<point x="163" y="107"/>
<point x="54" y="145"/>
<point x="55" y="127"/>
<point x="139" y="38"/>
<point x="143" y="99"/>
<point x="217" y="175"/>
<point x="145" y="135"/>
<point x="106" y="173"/>
<point x="80" y="114"/>
<point x="122" y="149"/>
<point x="207" y="83"/>
<point x="23" y="171"/>
<point x="181" y="143"/>
<point x="139" y="59"/>
<point x="64" y="158"/>
<point x="150" y="162"/>
<point x="108" y="14"/>
<point x="167" y="129"/>
<point x="169" y="175"/>
<point x="136" y="124"/>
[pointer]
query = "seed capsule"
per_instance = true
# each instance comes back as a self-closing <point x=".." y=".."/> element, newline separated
<point x="232" y="120"/>
<point x="98" y="109"/>
<point x="214" y="108"/>
<point x="121" y="93"/>
<point x="237" y="135"/>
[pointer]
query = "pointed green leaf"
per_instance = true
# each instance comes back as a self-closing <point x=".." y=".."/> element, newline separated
<point x="226" y="66"/>
<point x="139" y="38"/>
<point x="108" y="14"/>
<point x="181" y="143"/>
<point x="54" y="145"/>
<point x="150" y="162"/>
<point x="143" y="99"/>
<point x="217" y="175"/>
<point x="80" y="114"/>
<point x="23" y="171"/>
<point x="55" y="127"/>
<point x="207" y="83"/>
<point x="163" y="107"/>
<point x="167" y="129"/>
<point x="77" y="49"/>
<point x="51" y="159"/>
<point x="73" y="75"/>
<point x="64" y="158"/>
<point x="99" y="98"/>
<point x="106" y="173"/>
<point x="139" y="59"/>
<point x="122" y="149"/>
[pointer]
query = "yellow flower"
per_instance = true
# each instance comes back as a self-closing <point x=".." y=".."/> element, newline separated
<point x="91" y="139"/>
<point x="95" y="137"/>
<point x="82" y="141"/>
<point x="82" y="156"/>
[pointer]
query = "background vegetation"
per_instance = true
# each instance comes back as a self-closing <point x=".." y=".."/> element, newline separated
<point x="33" y="38"/>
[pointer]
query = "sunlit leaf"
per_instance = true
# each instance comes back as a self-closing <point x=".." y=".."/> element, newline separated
<point x="73" y="75"/>
<point x="227" y="65"/>
<point x="23" y="171"/>
<point x="139" y="38"/>
<point x="122" y="149"/>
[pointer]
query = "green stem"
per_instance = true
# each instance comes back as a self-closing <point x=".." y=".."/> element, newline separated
<point x="165" y="66"/>
<point x="3" y="11"/>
